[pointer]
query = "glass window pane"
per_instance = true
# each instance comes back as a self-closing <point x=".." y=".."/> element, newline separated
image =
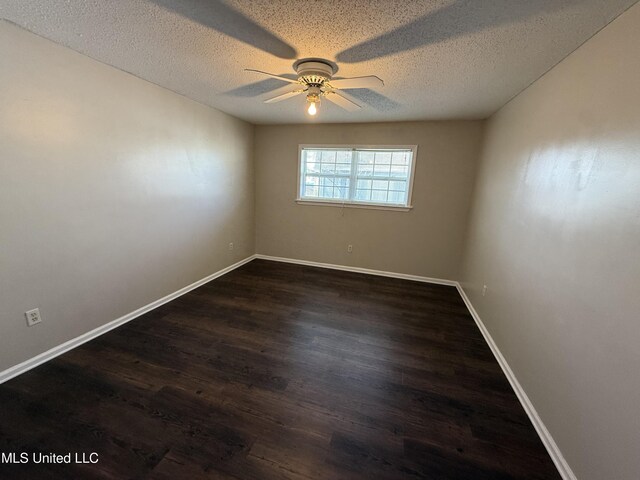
<point x="363" y="195"/>
<point x="310" y="191"/>
<point x="328" y="167"/>
<point x="344" y="156"/>
<point x="381" y="184"/>
<point x="400" y="171"/>
<point x="400" y="158"/>
<point x="365" y="170"/>
<point x="343" y="168"/>
<point x="310" y="180"/>
<point x="381" y="170"/>
<point x="378" y="196"/>
<point x="383" y="158"/>
<point x="312" y="155"/>
<point x="398" y="185"/>
<point x="397" y="197"/>
<point x="381" y="176"/>
<point x="329" y="156"/>
<point x="366" y="158"/>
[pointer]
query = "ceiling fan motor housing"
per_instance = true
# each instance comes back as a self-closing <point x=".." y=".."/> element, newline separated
<point x="314" y="72"/>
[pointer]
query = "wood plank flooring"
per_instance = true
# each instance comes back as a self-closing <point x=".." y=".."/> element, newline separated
<point x="280" y="371"/>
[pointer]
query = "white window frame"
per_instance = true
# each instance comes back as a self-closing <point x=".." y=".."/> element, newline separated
<point x="352" y="203"/>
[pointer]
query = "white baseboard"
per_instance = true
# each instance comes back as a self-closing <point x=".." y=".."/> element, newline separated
<point x="75" y="342"/>
<point x="380" y="273"/>
<point x="554" y="452"/>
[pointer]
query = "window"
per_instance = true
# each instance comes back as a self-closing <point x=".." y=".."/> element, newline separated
<point x="357" y="176"/>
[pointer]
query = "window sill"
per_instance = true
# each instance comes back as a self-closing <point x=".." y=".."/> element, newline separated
<point x="370" y="206"/>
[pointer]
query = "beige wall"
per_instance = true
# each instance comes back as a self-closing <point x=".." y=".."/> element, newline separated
<point x="113" y="193"/>
<point x="555" y="234"/>
<point x="425" y="241"/>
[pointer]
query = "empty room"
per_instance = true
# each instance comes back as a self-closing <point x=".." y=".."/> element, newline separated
<point x="320" y="239"/>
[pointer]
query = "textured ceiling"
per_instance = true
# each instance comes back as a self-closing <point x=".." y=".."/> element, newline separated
<point x="440" y="59"/>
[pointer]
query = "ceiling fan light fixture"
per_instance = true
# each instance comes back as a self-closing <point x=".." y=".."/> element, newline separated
<point x="313" y="99"/>
<point x="312" y="110"/>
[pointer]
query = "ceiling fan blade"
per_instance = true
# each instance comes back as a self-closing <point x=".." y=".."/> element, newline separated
<point x="370" y="81"/>
<point x="342" y="101"/>
<point x="274" y="92"/>
<point x="284" y="79"/>
<point x="285" y="95"/>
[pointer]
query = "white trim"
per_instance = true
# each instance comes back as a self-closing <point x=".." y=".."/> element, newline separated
<point x="370" y="206"/>
<point x="85" y="337"/>
<point x="554" y="452"/>
<point x="380" y="273"/>
<point x="351" y="146"/>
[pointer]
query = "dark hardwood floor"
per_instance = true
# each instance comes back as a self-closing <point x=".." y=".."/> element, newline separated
<point x="279" y="371"/>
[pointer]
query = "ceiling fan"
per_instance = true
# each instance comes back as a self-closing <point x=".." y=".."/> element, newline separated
<point x="315" y="80"/>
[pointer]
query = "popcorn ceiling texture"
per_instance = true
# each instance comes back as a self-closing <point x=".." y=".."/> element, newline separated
<point x="456" y="59"/>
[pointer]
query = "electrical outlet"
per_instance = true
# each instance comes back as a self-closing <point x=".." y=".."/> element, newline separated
<point x="484" y="290"/>
<point x="33" y="317"/>
<point x="231" y="246"/>
<point x="350" y="248"/>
